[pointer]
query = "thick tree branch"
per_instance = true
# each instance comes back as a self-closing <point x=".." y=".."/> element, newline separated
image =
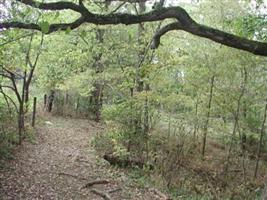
<point x="52" y="27"/>
<point x="255" y="47"/>
<point x="184" y="22"/>
<point x="61" y="5"/>
<point x="126" y="1"/>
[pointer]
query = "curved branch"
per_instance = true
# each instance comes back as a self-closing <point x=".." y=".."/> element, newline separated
<point x="8" y="87"/>
<point x="52" y="27"/>
<point x="8" y="97"/>
<point x="170" y="27"/>
<point x="255" y="47"/>
<point x="184" y="22"/>
<point x="20" y="25"/>
<point x="65" y="26"/>
<point x="5" y="75"/>
<point x="61" y="5"/>
<point x="125" y="1"/>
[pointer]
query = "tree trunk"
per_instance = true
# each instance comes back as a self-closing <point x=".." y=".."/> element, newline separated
<point x="205" y="129"/>
<point x="97" y="94"/>
<point x="236" y="118"/>
<point x="261" y="140"/>
<point x="138" y="79"/>
<point x="196" y="123"/>
<point x="97" y="100"/>
<point x="45" y="100"/>
<point x="50" y="101"/>
<point x="21" y="122"/>
<point x="131" y="120"/>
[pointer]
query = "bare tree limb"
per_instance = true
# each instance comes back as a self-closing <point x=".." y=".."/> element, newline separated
<point x="5" y="75"/>
<point x="8" y="87"/>
<point x="33" y="66"/>
<point x="8" y="98"/>
<point x="20" y="99"/>
<point x="11" y="73"/>
<point x="16" y="39"/>
<point x="61" y="5"/>
<point x="117" y="8"/>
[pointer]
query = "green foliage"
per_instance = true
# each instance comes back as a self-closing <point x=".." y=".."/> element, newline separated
<point x="250" y="26"/>
<point x="8" y="133"/>
<point x="44" y="26"/>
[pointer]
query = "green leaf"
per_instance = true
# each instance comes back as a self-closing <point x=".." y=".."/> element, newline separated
<point x="83" y="34"/>
<point x="37" y="4"/>
<point x="44" y="26"/>
<point x="68" y="30"/>
<point x="57" y="15"/>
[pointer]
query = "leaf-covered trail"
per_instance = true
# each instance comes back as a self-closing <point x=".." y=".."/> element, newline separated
<point x="60" y="162"/>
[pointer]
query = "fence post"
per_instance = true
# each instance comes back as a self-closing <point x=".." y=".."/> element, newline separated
<point x="34" y="111"/>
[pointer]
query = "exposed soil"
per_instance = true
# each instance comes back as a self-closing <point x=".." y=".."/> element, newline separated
<point x="60" y="162"/>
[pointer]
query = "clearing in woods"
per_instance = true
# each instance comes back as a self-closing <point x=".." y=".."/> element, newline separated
<point x="60" y="162"/>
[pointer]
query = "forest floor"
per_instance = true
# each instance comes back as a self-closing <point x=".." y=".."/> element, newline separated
<point x="60" y="162"/>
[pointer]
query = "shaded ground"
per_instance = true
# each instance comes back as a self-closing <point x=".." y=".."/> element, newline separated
<point x="60" y="162"/>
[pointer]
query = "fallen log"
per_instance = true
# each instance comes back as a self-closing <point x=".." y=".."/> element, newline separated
<point x="114" y="160"/>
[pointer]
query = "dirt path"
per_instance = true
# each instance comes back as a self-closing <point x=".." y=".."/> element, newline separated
<point x="60" y="162"/>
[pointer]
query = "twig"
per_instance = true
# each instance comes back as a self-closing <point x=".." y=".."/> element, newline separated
<point x="101" y="193"/>
<point x="117" y="8"/>
<point x="81" y="160"/>
<point x="114" y="190"/>
<point x="96" y="182"/>
<point x="16" y="39"/>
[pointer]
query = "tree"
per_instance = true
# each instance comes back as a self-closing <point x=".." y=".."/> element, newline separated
<point x="184" y="22"/>
<point x="18" y="78"/>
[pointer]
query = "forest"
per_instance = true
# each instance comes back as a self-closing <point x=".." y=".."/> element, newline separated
<point x="133" y="99"/>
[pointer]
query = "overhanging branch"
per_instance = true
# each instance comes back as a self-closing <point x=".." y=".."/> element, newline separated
<point x="255" y="47"/>
<point x="52" y="27"/>
<point x="61" y="5"/>
<point x="184" y="22"/>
